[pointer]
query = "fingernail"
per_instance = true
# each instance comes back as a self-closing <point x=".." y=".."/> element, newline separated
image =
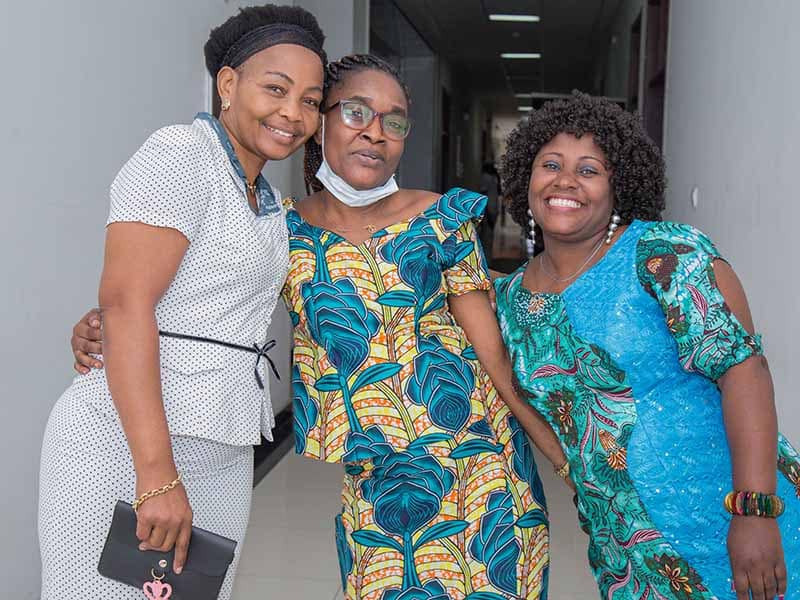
<point x="733" y="587"/>
<point x="142" y="547"/>
<point x="95" y="323"/>
<point x="97" y="365"/>
<point x="178" y="570"/>
<point x="781" y="597"/>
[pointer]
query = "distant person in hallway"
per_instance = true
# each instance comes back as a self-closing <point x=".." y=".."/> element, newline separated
<point x="196" y="247"/>
<point x="634" y="339"/>
<point x="489" y="186"/>
<point x="441" y="495"/>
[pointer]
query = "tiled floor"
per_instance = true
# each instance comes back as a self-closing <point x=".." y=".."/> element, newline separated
<point x="289" y="551"/>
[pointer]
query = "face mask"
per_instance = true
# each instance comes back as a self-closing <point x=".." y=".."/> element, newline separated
<point x="346" y="193"/>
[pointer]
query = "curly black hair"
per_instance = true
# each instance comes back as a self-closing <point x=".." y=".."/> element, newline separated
<point x="226" y="35"/>
<point x="637" y="167"/>
<point x="335" y="73"/>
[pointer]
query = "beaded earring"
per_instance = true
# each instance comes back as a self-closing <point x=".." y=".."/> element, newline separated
<point x="613" y="225"/>
<point x="531" y="228"/>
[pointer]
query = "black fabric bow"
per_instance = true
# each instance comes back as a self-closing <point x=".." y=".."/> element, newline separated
<point x="259" y="351"/>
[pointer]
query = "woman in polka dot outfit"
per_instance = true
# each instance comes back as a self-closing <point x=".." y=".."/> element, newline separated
<point x="196" y="247"/>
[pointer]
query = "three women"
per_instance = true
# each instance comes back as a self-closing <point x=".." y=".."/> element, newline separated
<point x="620" y="334"/>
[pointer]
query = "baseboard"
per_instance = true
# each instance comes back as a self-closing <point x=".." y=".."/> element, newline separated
<point x="268" y="454"/>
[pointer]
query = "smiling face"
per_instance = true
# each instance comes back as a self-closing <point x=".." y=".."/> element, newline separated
<point x="570" y="191"/>
<point x="364" y="158"/>
<point x="274" y="101"/>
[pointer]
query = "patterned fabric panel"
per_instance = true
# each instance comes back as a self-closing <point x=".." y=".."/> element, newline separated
<point x="421" y="523"/>
<point x="442" y="499"/>
<point x="631" y="398"/>
<point x="587" y="400"/>
<point x="378" y="358"/>
<point x="674" y="263"/>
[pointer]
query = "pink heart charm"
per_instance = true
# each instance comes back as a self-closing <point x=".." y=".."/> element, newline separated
<point x="155" y="590"/>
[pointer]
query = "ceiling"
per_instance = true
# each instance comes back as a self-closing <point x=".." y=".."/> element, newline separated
<point x="569" y="37"/>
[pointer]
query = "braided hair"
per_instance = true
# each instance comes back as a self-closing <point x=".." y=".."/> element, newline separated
<point x="335" y="73"/>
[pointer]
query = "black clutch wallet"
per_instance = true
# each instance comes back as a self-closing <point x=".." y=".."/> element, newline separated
<point x="208" y="560"/>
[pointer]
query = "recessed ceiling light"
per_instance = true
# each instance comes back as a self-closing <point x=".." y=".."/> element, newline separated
<point x="521" y="55"/>
<point x="524" y="108"/>
<point x="515" y="18"/>
<point x="528" y="95"/>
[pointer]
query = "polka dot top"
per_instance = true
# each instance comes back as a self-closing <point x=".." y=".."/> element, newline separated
<point x="225" y="289"/>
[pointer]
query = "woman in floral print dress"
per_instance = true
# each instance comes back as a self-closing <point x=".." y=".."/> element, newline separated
<point x="634" y="340"/>
<point x="441" y="498"/>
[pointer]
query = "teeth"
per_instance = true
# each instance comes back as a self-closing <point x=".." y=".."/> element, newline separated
<point x="279" y="132"/>
<point x="564" y="203"/>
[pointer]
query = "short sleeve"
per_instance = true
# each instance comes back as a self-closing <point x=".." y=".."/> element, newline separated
<point x="165" y="184"/>
<point x="674" y="263"/>
<point x="302" y="260"/>
<point x="465" y="268"/>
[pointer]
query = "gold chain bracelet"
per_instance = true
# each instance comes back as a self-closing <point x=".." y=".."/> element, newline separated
<point x="157" y="492"/>
<point x="563" y="471"/>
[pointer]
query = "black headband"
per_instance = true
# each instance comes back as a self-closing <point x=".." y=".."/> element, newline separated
<point x="267" y="36"/>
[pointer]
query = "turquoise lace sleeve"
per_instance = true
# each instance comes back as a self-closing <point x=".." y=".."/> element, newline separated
<point x="674" y="263"/>
<point x="789" y="462"/>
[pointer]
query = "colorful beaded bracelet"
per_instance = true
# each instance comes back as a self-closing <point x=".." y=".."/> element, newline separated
<point x="754" y="504"/>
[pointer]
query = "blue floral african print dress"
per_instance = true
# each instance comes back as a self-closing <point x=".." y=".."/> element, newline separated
<point x="441" y="499"/>
<point x="623" y="364"/>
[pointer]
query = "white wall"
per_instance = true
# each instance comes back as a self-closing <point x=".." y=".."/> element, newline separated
<point x="733" y="126"/>
<point x="346" y="27"/>
<point x="419" y="167"/>
<point x="85" y="84"/>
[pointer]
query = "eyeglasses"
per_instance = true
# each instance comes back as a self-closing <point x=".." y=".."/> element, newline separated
<point x="358" y="115"/>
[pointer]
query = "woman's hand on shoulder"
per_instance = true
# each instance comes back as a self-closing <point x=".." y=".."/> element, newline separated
<point x="87" y="339"/>
<point x="308" y="207"/>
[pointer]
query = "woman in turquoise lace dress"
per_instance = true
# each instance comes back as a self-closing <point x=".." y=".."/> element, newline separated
<point x="634" y="340"/>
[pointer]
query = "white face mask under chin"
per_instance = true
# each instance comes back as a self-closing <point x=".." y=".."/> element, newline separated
<point x="346" y="193"/>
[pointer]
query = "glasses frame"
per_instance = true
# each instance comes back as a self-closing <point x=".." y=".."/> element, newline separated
<point x="375" y="113"/>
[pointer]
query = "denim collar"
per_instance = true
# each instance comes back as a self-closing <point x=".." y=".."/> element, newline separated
<point x="267" y="203"/>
